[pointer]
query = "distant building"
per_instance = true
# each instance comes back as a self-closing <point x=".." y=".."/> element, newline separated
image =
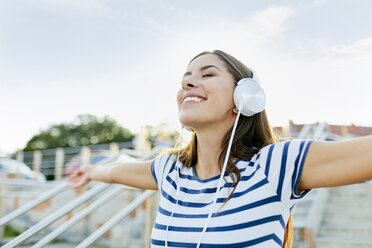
<point x="292" y="130"/>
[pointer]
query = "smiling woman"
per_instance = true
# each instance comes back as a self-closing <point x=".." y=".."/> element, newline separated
<point x="233" y="184"/>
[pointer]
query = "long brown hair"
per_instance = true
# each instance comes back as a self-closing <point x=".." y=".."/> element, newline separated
<point x="252" y="133"/>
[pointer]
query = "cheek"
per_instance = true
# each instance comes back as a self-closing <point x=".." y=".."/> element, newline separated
<point x="179" y="97"/>
<point x="224" y="98"/>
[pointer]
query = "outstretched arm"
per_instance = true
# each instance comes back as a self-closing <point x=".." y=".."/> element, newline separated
<point x="337" y="163"/>
<point x="134" y="174"/>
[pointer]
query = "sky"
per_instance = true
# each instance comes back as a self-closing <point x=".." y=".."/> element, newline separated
<point x="125" y="59"/>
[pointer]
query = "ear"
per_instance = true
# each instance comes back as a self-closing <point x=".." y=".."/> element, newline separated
<point x="235" y="110"/>
<point x="188" y="128"/>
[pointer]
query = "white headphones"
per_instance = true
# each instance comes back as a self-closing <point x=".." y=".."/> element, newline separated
<point x="249" y="96"/>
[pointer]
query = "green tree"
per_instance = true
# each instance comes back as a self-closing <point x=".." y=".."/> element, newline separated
<point x="84" y="130"/>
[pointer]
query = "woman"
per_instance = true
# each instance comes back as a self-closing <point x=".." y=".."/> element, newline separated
<point x="263" y="179"/>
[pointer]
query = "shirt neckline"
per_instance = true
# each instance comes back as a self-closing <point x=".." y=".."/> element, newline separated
<point x="210" y="178"/>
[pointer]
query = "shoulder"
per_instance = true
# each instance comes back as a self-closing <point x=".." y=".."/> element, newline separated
<point x="164" y="159"/>
<point x="285" y="152"/>
<point x="286" y="145"/>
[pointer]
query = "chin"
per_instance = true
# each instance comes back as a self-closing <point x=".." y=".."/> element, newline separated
<point x="188" y="122"/>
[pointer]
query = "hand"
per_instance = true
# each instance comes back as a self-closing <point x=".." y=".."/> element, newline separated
<point x="80" y="177"/>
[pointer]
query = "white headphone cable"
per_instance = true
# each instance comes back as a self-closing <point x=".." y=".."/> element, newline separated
<point x="221" y="177"/>
<point x="178" y="190"/>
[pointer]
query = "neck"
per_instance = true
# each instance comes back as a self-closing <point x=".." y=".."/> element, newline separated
<point x="209" y="149"/>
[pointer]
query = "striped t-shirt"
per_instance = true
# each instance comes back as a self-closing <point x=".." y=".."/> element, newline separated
<point x="255" y="215"/>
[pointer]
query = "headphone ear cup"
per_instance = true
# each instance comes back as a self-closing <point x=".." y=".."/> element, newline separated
<point x="249" y="97"/>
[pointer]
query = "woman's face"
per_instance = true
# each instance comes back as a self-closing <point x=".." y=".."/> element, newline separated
<point x="206" y="95"/>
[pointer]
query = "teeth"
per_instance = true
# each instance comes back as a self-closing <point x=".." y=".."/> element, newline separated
<point x="194" y="99"/>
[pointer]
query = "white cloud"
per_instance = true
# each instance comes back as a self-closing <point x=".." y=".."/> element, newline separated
<point x="319" y="2"/>
<point x="268" y="22"/>
<point x="360" y="49"/>
<point x="80" y="7"/>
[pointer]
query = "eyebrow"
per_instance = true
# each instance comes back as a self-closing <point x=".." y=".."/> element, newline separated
<point x="201" y="69"/>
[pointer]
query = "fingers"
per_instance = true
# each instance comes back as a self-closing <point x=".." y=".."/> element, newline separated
<point x="76" y="183"/>
<point x="74" y="176"/>
<point x="77" y="179"/>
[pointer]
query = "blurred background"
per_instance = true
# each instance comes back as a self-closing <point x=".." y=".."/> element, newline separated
<point x="91" y="81"/>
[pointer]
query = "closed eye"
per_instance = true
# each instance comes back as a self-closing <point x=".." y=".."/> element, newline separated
<point x="207" y="75"/>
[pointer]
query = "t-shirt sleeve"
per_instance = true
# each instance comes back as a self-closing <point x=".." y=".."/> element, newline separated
<point x="158" y="167"/>
<point x="283" y="163"/>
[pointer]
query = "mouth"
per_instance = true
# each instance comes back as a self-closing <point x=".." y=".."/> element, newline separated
<point x="191" y="99"/>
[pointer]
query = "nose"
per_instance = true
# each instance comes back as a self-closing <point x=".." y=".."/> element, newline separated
<point x="188" y="83"/>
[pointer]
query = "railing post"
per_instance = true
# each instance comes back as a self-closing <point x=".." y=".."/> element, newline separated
<point x="308" y="236"/>
<point x="114" y="148"/>
<point x="58" y="170"/>
<point x="85" y="155"/>
<point x="36" y="163"/>
<point x="3" y="189"/>
<point x="20" y="156"/>
<point x="115" y="220"/>
<point x="149" y="220"/>
<point x="317" y="211"/>
<point x="85" y="160"/>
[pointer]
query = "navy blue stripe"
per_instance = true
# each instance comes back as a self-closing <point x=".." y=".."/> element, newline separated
<point x="195" y="178"/>
<point x="223" y="228"/>
<point x="237" y="161"/>
<point x="153" y="169"/>
<point x="299" y="154"/>
<point x="173" y="183"/>
<point x="219" y="200"/>
<point x="294" y="175"/>
<point x="173" y="244"/>
<point x="259" y="203"/>
<point x="187" y="216"/>
<point x="282" y="168"/>
<point x="246" y="178"/>
<point x="153" y="172"/>
<point x="178" y="228"/>
<point x="184" y="176"/>
<point x="234" y="245"/>
<point x="268" y="160"/>
<point x="251" y="161"/>
<point x="244" y="192"/>
<point x="195" y="191"/>
<point x="300" y="167"/>
<point x="165" y="165"/>
<point x="171" y="169"/>
<point x="184" y="203"/>
<point x="210" y="190"/>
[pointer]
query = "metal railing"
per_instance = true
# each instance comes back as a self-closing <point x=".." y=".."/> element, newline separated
<point x="52" y="162"/>
<point x="81" y="215"/>
<point x="53" y="217"/>
<point x="311" y="208"/>
<point x="32" y="204"/>
<point x="116" y="219"/>
<point x="109" y="192"/>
